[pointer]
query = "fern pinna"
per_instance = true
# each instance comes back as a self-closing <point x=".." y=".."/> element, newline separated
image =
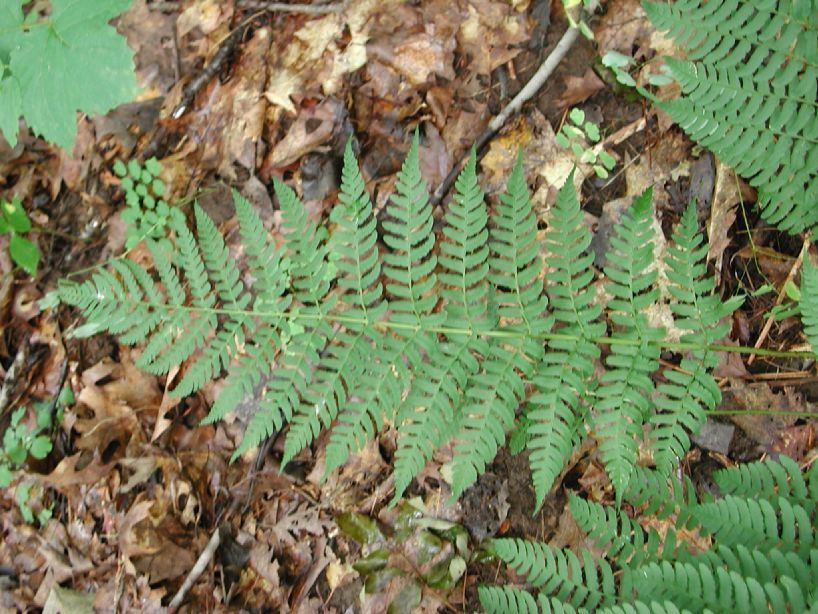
<point x="749" y="87"/>
<point x="762" y="559"/>
<point x="449" y="339"/>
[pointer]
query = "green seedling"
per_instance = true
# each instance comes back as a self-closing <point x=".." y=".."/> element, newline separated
<point x="575" y="135"/>
<point x="15" y="222"/>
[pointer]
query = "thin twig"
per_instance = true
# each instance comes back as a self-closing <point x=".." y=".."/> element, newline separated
<point x="781" y="294"/>
<point x="281" y="7"/>
<point x="524" y="95"/>
<point x="201" y="564"/>
<point x="12" y="375"/>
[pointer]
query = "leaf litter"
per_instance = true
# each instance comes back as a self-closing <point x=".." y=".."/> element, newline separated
<point x="137" y="487"/>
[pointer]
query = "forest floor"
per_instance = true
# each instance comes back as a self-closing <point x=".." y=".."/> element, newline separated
<point x="138" y="486"/>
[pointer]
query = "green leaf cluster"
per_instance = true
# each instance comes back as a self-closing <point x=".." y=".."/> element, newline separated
<point x="146" y="213"/>
<point x="15" y="222"/>
<point x="749" y="85"/>
<point x="453" y="338"/>
<point x="575" y="134"/>
<point x="762" y="559"/>
<point x="52" y="66"/>
<point x="21" y="440"/>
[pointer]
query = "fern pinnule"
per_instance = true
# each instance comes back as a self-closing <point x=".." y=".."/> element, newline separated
<point x="555" y="411"/>
<point x="691" y="390"/>
<point x="624" y="397"/>
<point x="494" y="393"/>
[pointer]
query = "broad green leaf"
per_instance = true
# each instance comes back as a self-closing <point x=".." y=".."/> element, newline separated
<point x="73" y="60"/>
<point x="11" y="18"/>
<point x="16" y="216"/>
<point x="5" y="475"/>
<point x="11" y="107"/>
<point x="25" y="253"/>
<point x="40" y="447"/>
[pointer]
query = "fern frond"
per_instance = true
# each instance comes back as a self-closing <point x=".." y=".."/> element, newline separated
<point x="495" y="393"/>
<point x="808" y="304"/>
<point x="562" y="378"/>
<point x="615" y="533"/>
<point x="749" y="94"/>
<point x="581" y="582"/>
<point x="624" y="396"/>
<point x="690" y="390"/>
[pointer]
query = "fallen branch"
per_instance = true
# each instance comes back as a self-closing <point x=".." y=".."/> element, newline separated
<point x="201" y="564"/>
<point x="524" y="95"/>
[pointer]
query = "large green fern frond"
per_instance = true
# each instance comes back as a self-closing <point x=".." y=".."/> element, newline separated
<point x="555" y="412"/>
<point x="624" y="397"/>
<point x="749" y="94"/>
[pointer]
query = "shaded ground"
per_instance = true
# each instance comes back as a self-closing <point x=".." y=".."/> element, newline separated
<point x="138" y="485"/>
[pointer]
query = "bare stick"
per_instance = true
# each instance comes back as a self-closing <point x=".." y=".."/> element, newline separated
<point x="529" y="90"/>
<point x="781" y="294"/>
<point x="281" y="7"/>
<point x="201" y="564"/>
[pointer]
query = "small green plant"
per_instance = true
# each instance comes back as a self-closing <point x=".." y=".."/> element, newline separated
<point x="15" y="222"/>
<point x="762" y="559"/>
<point x="146" y="212"/>
<point x="619" y="64"/>
<point x="576" y="133"/>
<point x="52" y="65"/>
<point x="22" y="440"/>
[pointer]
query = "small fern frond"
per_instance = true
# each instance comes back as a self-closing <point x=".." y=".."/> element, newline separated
<point x="691" y="390"/>
<point x="749" y="94"/>
<point x="431" y="413"/>
<point x="555" y="411"/>
<point x="662" y="496"/>
<point x="581" y="582"/>
<point x="464" y="256"/>
<point x="808" y="303"/>
<point x="625" y="394"/>
<point x="615" y="533"/>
